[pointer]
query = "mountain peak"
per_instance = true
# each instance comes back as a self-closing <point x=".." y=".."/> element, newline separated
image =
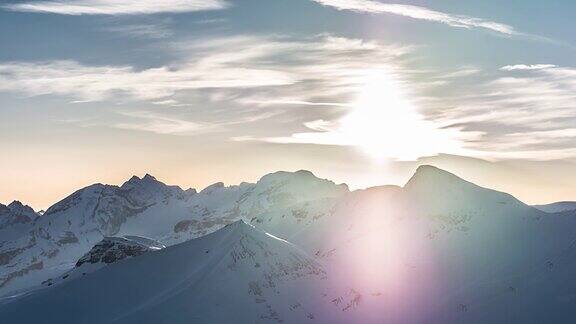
<point x="431" y="175"/>
<point x="287" y="175"/>
<point x="134" y="179"/>
<point x="15" y="204"/>
<point x="212" y="187"/>
<point x="240" y="224"/>
<point x="240" y="228"/>
<point x="148" y="177"/>
<point x="426" y="168"/>
<point x="144" y="181"/>
<point x="300" y="176"/>
<point x="18" y="208"/>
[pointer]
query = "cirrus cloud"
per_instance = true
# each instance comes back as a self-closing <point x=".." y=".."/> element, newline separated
<point x="115" y="7"/>
<point x="237" y="63"/>
<point x="527" y="67"/>
<point x="417" y="12"/>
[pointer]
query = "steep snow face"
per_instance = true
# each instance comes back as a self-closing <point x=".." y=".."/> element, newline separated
<point x="561" y="206"/>
<point x="235" y="275"/>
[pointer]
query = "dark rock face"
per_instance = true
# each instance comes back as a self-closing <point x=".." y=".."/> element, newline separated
<point x="113" y="249"/>
<point x="21" y="272"/>
<point x="6" y="257"/>
<point x="68" y="238"/>
<point x="182" y="226"/>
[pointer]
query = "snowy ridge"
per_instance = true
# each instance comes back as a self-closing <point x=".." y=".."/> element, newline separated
<point x="557" y="207"/>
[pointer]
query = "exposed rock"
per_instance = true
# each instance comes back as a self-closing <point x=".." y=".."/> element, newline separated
<point x="113" y="249"/>
<point x="68" y="238"/>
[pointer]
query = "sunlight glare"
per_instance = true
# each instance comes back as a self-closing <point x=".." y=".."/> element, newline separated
<point x="387" y="125"/>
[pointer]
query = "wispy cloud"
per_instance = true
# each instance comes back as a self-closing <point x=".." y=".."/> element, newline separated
<point x="463" y="72"/>
<point x="115" y="7"/>
<point x="333" y="64"/>
<point x="527" y="67"/>
<point x="417" y="12"/>
<point x="528" y="117"/>
<point x="161" y="124"/>
<point x="176" y="123"/>
<point x="96" y="83"/>
<point x="334" y="90"/>
<point x="157" y="31"/>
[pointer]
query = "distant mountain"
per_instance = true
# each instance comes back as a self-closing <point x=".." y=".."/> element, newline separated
<point x="438" y="250"/>
<point x="557" y="207"/>
<point x="16" y="213"/>
<point x="15" y="219"/>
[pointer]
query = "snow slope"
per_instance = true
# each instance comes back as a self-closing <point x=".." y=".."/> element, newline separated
<point x="105" y="252"/>
<point x="236" y="275"/>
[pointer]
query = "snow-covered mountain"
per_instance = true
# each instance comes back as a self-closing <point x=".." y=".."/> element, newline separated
<point x="52" y="243"/>
<point x="440" y="249"/>
<point x="15" y="217"/>
<point x="561" y="206"/>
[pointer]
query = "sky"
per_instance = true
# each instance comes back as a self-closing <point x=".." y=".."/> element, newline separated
<point x="357" y="91"/>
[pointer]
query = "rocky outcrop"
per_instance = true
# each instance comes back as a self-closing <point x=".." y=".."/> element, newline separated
<point x="113" y="249"/>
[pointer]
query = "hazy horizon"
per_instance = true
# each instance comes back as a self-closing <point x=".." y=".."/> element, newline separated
<point x="507" y="178"/>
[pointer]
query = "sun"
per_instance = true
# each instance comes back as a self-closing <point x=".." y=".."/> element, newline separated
<point x="386" y="124"/>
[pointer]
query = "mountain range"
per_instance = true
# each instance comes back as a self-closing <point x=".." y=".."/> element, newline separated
<point x="289" y="248"/>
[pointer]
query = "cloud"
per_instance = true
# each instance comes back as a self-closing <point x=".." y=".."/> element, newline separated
<point x="527" y="67"/>
<point x="528" y="117"/>
<point x="326" y="90"/>
<point x="157" y="31"/>
<point x="116" y="7"/>
<point x="96" y="83"/>
<point x="463" y="72"/>
<point x="237" y="63"/>
<point x="175" y="123"/>
<point x="417" y="12"/>
<point x="161" y="124"/>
